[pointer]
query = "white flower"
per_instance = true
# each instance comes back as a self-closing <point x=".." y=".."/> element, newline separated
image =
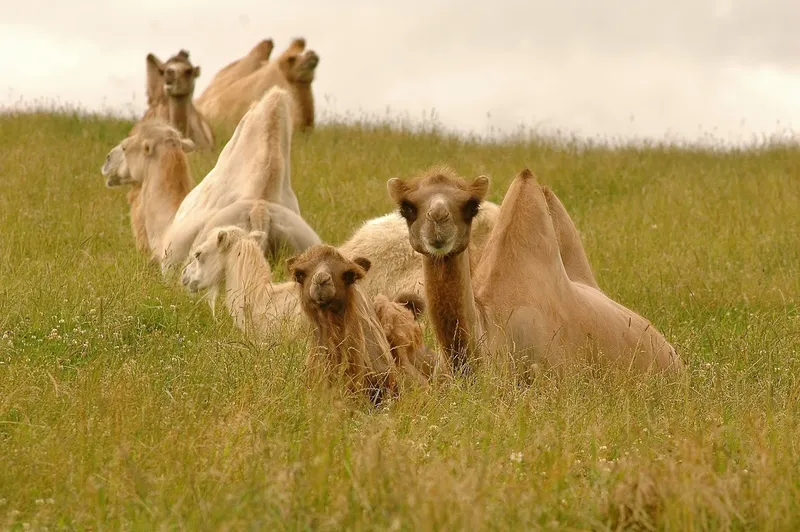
<point x="516" y="457"/>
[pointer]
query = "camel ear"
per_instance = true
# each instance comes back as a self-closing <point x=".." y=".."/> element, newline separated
<point x="412" y="302"/>
<point x="480" y="187"/>
<point x="224" y="239"/>
<point x="196" y="72"/>
<point x="188" y="145"/>
<point x="154" y="81"/>
<point x="352" y="275"/>
<point x="397" y="189"/>
<point x="290" y="262"/>
<point x="363" y="262"/>
<point x="183" y="54"/>
<point x="299" y="44"/>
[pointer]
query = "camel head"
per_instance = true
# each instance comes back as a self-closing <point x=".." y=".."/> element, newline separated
<point x="128" y="161"/>
<point x="179" y="75"/>
<point x="325" y="277"/>
<point x="298" y="66"/>
<point x="206" y="266"/>
<point x="439" y="208"/>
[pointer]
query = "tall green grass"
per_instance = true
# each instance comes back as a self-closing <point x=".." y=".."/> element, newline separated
<point x="124" y="404"/>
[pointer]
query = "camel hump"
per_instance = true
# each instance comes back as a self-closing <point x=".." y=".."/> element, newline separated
<point x="412" y="302"/>
<point x="525" y="173"/>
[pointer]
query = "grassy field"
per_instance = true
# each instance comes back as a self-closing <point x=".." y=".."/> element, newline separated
<point x="124" y="404"/>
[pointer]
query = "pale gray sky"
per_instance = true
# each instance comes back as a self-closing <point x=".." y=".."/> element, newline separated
<point x="619" y="68"/>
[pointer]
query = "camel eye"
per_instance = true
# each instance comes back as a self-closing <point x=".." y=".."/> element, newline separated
<point x="408" y="211"/>
<point x="299" y="276"/>
<point x="470" y="209"/>
<point x="349" y="277"/>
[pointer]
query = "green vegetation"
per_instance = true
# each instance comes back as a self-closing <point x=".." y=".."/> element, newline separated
<point x="124" y="404"/>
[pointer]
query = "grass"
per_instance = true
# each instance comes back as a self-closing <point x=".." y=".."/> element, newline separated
<point x="124" y="404"/>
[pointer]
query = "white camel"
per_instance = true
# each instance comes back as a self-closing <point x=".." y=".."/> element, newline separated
<point x="254" y="165"/>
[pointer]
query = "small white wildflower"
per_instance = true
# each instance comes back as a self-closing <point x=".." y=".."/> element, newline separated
<point x="516" y="457"/>
<point x="603" y="447"/>
<point x="39" y="501"/>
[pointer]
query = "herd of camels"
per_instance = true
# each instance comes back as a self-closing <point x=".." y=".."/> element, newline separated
<point x="506" y="282"/>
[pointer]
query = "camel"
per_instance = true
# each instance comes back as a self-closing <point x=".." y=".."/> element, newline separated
<point x="520" y="298"/>
<point x="236" y="70"/>
<point x="255" y="164"/>
<point x="150" y="161"/>
<point x="293" y="71"/>
<point x="233" y="257"/>
<point x="400" y="321"/>
<point x="348" y="337"/>
<point x="153" y="160"/>
<point x="170" y="87"/>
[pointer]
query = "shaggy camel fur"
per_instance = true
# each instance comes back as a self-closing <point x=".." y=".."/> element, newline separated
<point x="255" y="164"/>
<point x="400" y="322"/>
<point x="293" y="71"/>
<point x="231" y="257"/>
<point x="348" y="337"/>
<point x="161" y="181"/>
<point x="520" y="298"/>
<point x="236" y="70"/>
<point x="170" y="87"/>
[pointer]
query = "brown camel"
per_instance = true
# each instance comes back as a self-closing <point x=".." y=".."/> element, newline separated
<point x="153" y="160"/>
<point x="348" y="337"/>
<point x="293" y="70"/>
<point x="170" y="87"/>
<point x="237" y="70"/>
<point x="520" y="298"/>
<point x="400" y="322"/>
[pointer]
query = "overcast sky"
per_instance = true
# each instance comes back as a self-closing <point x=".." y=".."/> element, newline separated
<point x="618" y="68"/>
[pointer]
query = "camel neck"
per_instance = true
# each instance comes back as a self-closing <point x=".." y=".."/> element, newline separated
<point x="304" y="102"/>
<point x="179" y="113"/>
<point x="451" y="304"/>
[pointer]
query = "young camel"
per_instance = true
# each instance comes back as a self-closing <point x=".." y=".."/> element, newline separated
<point x="520" y="298"/>
<point x="400" y="322"/>
<point x="170" y="87"/>
<point x="366" y="340"/>
<point x="232" y="258"/>
<point x="236" y="70"/>
<point x="293" y="71"/>
<point x="150" y="161"/>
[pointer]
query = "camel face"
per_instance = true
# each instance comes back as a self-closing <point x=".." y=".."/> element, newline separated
<point x="206" y="266"/>
<point x="179" y="75"/>
<point x="115" y="168"/>
<point x="126" y="162"/>
<point x="439" y="208"/>
<point x="325" y="275"/>
<point x="301" y="68"/>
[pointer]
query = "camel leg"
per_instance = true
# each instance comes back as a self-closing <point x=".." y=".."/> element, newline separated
<point x="569" y="242"/>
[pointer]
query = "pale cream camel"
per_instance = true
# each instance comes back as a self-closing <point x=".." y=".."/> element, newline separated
<point x="170" y="88"/>
<point x="520" y="299"/>
<point x="255" y="164"/>
<point x="161" y="181"/>
<point x="232" y="258"/>
<point x="293" y="71"/>
<point x="236" y="70"/>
